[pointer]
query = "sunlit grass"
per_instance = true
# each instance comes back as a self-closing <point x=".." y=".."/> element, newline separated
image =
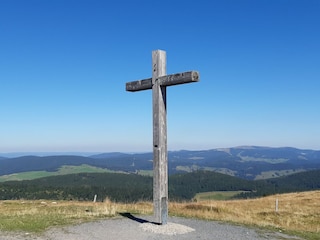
<point x="64" y="170"/>
<point x="297" y="213"/>
<point x="37" y="216"/>
<point x="216" y="195"/>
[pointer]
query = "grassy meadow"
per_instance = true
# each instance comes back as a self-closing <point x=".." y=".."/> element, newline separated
<point x="64" y="170"/>
<point x="216" y="195"/>
<point x="298" y="213"/>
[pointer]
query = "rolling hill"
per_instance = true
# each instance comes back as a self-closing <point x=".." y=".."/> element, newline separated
<point x="248" y="162"/>
<point x="128" y="187"/>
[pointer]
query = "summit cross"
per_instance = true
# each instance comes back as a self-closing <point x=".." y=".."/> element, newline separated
<point x="158" y="84"/>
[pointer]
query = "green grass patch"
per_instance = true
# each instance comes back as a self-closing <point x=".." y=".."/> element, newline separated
<point x="37" y="216"/>
<point x="148" y="173"/>
<point x="268" y="160"/>
<point x="275" y="174"/>
<point x="64" y="170"/>
<point x="216" y="195"/>
<point x="187" y="168"/>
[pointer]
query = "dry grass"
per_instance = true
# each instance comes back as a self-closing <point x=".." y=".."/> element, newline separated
<point x="37" y="216"/>
<point x="297" y="212"/>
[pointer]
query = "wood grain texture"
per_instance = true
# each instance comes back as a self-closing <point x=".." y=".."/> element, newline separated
<point x="167" y="80"/>
<point x="158" y="84"/>
<point x="160" y="158"/>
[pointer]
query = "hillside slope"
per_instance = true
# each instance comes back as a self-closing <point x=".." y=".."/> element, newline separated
<point x="133" y="187"/>
<point x="245" y="162"/>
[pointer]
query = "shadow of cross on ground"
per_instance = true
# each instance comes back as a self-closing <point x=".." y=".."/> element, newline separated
<point x="139" y="220"/>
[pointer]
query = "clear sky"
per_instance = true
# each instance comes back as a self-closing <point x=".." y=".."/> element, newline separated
<point x="64" y="65"/>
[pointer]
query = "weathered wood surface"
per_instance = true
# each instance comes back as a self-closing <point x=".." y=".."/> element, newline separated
<point x="160" y="158"/>
<point x="158" y="84"/>
<point x="168" y="80"/>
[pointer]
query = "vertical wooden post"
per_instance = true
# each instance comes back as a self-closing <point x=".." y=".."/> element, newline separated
<point x="158" y="84"/>
<point x="160" y="158"/>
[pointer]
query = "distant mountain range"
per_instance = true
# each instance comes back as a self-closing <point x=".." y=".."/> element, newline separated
<point x="248" y="162"/>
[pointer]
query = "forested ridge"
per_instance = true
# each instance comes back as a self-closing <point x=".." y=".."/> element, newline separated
<point x="248" y="162"/>
<point x="132" y="187"/>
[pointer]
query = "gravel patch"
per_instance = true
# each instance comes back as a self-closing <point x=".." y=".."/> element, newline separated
<point x="168" y="229"/>
<point x="134" y="228"/>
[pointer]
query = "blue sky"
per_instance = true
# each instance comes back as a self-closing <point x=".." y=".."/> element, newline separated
<point x="64" y="65"/>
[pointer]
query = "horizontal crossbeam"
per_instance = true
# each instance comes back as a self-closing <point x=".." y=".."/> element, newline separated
<point x="168" y="80"/>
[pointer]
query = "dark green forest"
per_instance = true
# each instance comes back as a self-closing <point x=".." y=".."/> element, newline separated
<point x="122" y="187"/>
<point x="83" y="186"/>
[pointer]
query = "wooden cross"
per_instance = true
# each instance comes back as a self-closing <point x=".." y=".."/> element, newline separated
<point x="158" y="84"/>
